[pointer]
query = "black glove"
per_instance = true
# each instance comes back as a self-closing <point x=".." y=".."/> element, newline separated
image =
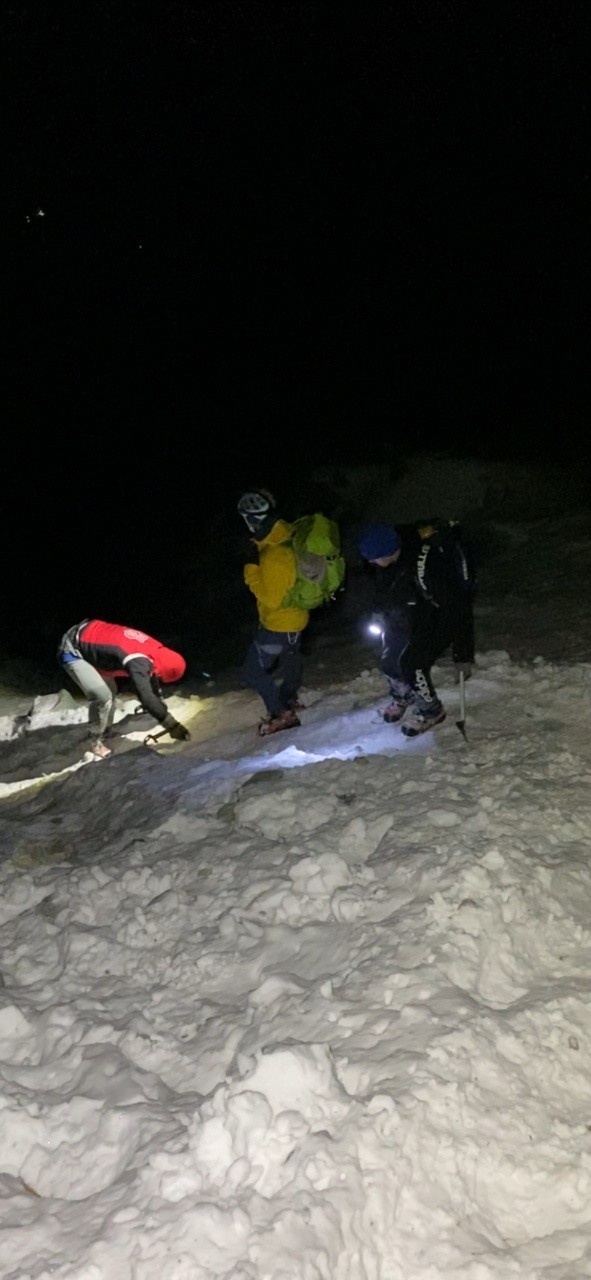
<point x="179" y="732"/>
<point x="176" y="729"/>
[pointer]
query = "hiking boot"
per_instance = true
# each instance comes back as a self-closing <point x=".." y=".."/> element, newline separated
<point x="296" y="705"/>
<point x="421" y="719"/>
<point x="395" y="711"/>
<point x="274" y="724"/>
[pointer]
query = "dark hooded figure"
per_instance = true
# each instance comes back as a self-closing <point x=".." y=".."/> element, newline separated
<point x="424" y="599"/>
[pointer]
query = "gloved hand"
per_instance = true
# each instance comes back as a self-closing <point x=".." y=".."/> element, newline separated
<point x="175" y="728"/>
<point x="179" y="732"/>
<point x="463" y="668"/>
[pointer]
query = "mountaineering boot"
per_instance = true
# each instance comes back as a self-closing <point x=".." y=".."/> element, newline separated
<point x="274" y="724"/>
<point x="420" y="719"/>
<point x="401" y="695"/>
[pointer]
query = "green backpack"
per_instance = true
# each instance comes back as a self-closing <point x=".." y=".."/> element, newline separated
<point x="320" y="566"/>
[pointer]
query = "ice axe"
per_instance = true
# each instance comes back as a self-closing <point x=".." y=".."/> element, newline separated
<point x="461" y="723"/>
<point x="153" y="737"/>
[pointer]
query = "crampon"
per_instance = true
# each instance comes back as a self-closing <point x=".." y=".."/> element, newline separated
<point x="275" y="724"/>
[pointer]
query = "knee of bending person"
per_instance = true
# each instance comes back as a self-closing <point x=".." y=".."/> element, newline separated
<point x="105" y="700"/>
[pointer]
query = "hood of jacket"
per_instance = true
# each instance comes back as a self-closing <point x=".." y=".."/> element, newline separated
<point x="168" y="665"/>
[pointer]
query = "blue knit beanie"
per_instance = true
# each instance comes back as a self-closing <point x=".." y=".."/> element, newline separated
<point x="378" y="540"/>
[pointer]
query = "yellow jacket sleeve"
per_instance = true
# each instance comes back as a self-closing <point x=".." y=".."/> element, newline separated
<point x="251" y="576"/>
<point x="276" y="574"/>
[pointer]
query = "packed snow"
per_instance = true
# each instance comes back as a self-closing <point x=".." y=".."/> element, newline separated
<point x="314" y="1007"/>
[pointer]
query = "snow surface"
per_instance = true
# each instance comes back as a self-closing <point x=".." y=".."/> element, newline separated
<point x="316" y="1007"/>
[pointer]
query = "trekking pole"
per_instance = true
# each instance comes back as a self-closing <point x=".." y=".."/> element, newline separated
<point x="461" y="723"/>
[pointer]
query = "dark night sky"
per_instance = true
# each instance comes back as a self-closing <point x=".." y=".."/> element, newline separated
<point x="274" y="234"/>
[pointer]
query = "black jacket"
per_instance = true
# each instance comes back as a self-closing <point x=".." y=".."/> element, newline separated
<point x="434" y="572"/>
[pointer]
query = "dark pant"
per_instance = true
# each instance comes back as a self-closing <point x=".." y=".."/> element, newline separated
<point x="273" y="668"/>
<point x="413" y="640"/>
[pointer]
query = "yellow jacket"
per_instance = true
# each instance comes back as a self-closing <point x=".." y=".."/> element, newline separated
<point x="272" y="577"/>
